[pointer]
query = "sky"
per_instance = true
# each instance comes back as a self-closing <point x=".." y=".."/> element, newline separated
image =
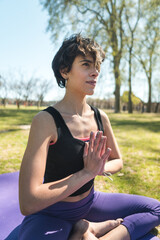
<point x="26" y="47"/>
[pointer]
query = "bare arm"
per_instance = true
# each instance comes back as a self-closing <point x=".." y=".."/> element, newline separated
<point x="115" y="163"/>
<point x="33" y="194"/>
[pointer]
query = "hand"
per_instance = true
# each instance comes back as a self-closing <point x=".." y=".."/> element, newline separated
<point x="95" y="154"/>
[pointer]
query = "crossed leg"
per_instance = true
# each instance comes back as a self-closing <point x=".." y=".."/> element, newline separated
<point x="85" y="230"/>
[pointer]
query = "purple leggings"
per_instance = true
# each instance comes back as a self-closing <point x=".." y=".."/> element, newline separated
<point x="140" y="215"/>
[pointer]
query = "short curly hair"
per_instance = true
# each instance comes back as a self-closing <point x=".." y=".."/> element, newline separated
<point x="72" y="47"/>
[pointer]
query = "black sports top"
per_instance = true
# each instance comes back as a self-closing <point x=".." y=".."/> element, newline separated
<point x="65" y="156"/>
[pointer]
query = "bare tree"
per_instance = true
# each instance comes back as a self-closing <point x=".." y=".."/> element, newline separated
<point x="17" y="87"/>
<point x="4" y="86"/>
<point x="132" y="19"/>
<point x="43" y="87"/>
<point x="148" y="49"/>
<point x="29" y="88"/>
<point x="156" y="90"/>
<point x="103" y="20"/>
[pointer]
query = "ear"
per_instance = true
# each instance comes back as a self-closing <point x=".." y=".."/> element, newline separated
<point x="64" y="73"/>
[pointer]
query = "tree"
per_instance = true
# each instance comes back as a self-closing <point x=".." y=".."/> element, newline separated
<point x="147" y="52"/>
<point x="29" y="87"/>
<point x="17" y="87"/>
<point x="132" y="22"/>
<point x="4" y="86"/>
<point x="125" y="98"/>
<point x="101" y="19"/>
<point x="156" y="89"/>
<point x="43" y="88"/>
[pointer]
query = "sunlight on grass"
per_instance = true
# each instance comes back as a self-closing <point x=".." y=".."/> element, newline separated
<point x="138" y="136"/>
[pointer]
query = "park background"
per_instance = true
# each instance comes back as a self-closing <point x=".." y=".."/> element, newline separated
<point x="129" y="32"/>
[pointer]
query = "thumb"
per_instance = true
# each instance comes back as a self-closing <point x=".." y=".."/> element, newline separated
<point x="107" y="154"/>
<point x="85" y="153"/>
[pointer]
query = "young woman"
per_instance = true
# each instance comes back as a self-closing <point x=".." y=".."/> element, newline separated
<point x="69" y="144"/>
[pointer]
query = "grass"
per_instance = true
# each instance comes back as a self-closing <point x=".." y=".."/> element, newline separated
<point x="138" y="136"/>
<point x="13" y="138"/>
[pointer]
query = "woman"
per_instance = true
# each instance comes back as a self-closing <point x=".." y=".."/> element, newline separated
<point x="69" y="144"/>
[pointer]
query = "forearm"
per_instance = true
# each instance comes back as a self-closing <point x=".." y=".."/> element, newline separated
<point x="47" y="194"/>
<point x="113" y="166"/>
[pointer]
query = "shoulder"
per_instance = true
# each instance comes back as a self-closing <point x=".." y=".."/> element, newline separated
<point x="42" y="118"/>
<point x="104" y="117"/>
<point x="105" y="120"/>
<point x="43" y="122"/>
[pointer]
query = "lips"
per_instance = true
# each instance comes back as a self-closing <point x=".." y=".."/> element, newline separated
<point x="93" y="83"/>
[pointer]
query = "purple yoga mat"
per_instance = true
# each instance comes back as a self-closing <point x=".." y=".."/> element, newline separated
<point x="10" y="216"/>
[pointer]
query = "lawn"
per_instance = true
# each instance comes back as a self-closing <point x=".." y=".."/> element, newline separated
<point x="138" y="136"/>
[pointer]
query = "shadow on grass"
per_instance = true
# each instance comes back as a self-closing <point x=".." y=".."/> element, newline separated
<point x="135" y="124"/>
<point x="18" y="116"/>
<point x="9" y="130"/>
<point x="133" y="184"/>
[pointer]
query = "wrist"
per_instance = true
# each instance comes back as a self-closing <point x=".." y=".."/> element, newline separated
<point x="88" y="175"/>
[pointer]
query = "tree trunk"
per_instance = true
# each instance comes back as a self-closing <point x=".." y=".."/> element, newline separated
<point x="117" y="98"/>
<point x="18" y="104"/>
<point x="130" y="109"/>
<point x="117" y="84"/>
<point x="149" y="95"/>
<point x="4" y="100"/>
<point x="156" y="108"/>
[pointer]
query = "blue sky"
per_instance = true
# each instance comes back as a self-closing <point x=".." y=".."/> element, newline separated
<point x="25" y="46"/>
<point x="23" y="40"/>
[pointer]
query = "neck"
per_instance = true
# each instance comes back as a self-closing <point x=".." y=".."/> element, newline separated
<point x="73" y="104"/>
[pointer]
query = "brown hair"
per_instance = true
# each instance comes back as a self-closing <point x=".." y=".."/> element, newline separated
<point x="71" y="48"/>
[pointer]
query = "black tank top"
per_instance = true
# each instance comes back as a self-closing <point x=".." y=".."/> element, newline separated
<point x="65" y="157"/>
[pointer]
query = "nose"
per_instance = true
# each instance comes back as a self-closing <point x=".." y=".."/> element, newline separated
<point x="94" y="72"/>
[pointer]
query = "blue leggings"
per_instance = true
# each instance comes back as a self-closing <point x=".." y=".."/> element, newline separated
<point x="140" y="215"/>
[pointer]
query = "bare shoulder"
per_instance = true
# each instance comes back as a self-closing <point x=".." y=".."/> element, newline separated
<point x="105" y="119"/>
<point x="42" y="117"/>
<point x="43" y="122"/>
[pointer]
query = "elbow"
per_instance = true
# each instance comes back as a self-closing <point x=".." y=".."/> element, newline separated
<point x="25" y="210"/>
<point x="26" y="207"/>
<point x="121" y="163"/>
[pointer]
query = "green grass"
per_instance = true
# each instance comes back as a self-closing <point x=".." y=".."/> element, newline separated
<point x="138" y="136"/>
<point x="13" y="138"/>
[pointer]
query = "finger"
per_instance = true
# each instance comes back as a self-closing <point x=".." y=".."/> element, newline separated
<point x="104" y="146"/>
<point x="99" y="149"/>
<point x="85" y="152"/>
<point x="97" y="140"/>
<point x="107" y="154"/>
<point x="91" y="142"/>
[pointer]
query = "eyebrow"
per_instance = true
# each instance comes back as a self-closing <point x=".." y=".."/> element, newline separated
<point x="86" y="60"/>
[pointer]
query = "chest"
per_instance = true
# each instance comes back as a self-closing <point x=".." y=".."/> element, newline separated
<point x="80" y="127"/>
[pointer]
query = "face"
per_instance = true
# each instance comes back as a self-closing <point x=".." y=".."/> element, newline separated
<point x="83" y="76"/>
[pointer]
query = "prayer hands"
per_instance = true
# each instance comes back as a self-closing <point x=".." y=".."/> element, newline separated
<point x="96" y="154"/>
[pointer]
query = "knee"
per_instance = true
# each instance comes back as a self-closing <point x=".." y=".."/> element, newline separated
<point x="156" y="208"/>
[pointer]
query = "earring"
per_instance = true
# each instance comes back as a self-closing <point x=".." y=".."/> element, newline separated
<point x="66" y="82"/>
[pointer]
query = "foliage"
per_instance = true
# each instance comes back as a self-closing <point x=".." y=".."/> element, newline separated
<point x="122" y="27"/>
<point x="103" y="20"/>
<point x="135" y="100"/>
<point x="147" y="50"/>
